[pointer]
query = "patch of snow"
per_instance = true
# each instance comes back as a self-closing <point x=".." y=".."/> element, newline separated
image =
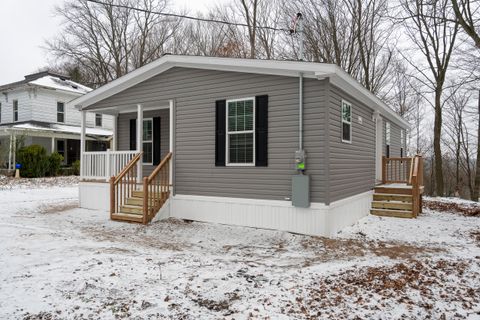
<point x="64" y="129"/>
<point x="61" y="262"/>
<point x="59" y="84"/>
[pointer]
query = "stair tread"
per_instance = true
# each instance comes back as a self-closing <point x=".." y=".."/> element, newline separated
<point x="127" y="217"/>
<point x="132" y="206"/>
<point x="392" y="213"/>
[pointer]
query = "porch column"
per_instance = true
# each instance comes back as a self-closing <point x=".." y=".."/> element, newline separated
<point x="171" y="129"/>
<point x="14" y="152"/>
<point x="82" y="141"/>
<point x="53" y="145"/>
<point x="10" y="152"/>
<point x="113" y="144"/>
<point x="139" y="141"/>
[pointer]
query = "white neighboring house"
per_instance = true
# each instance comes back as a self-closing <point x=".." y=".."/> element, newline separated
<point x="36" y="111"/>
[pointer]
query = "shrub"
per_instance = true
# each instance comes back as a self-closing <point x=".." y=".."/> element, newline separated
<point x="54" y="162"/>
<point x="76" y="167"/>
<point x="34" y="161"/>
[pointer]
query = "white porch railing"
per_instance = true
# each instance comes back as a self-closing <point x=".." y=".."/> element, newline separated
<point x="103" y="165"/>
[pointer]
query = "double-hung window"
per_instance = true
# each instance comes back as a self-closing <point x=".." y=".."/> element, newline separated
<point x="60" y="112"/>
<point x="346" y="122"/>
<point x="240" y="148"/>
<point x="148" y="141"/>
<point x="98" y="119"/>
<point x="15" y="110"/>
<point x="387" y="138"/>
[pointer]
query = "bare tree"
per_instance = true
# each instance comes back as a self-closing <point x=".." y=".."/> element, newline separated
<point x="107" y="41"/>
<point x="429" y="27"/>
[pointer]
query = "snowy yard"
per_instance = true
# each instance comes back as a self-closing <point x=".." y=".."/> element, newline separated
<point x="61" y="262"/>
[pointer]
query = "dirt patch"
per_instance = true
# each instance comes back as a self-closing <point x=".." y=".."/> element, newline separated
<point x="57" y="207"/>
<point x="329" y="249"/>
<point x="401" y="284"/>
<point x="467" y="209"/>
<point x="476" y="236"/>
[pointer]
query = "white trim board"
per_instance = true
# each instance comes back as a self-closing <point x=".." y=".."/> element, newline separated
<point x="273" y="67"/>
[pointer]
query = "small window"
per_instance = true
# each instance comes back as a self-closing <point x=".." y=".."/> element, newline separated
<point x="346" y="122"/>
<point x="98" y="119"/>
<point x="240" y="132"/>
<point x="60" y="112"/>
<point x="15" y="110"/>
<point x="402" y="142"/>
<point x="147" y="141"/>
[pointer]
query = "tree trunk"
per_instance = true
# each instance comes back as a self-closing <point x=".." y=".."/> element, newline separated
<point x="477" y="168"/>
<point x="437" y="150"/>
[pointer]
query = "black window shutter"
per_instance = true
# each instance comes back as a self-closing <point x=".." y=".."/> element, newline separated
<point x="133" y="134"/>
<point x="220" y="127"/>
<point x="261" y="131"/>
<point x="156" y="140"/>
<point x="388" y="151"/>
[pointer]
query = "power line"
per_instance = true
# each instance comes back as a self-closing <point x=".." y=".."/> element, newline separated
<point x="181" y="16"/>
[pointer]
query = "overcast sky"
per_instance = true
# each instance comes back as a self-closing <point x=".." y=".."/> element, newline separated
<point x="24" y="26"/>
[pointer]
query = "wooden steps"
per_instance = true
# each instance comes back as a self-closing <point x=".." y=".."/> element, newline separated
<point x="129" y="217"/>
<point x="393" y="201"/>
<point x="132" y="210"/>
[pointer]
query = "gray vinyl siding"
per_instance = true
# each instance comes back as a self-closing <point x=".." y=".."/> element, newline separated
<point x="352" y="165"/>
<point x="195" y="92"/>
<point x="124" y="132"/>
<point x="395" y="139"/>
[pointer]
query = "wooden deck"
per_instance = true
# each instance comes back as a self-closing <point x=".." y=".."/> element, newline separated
<point x="400" y="194"/>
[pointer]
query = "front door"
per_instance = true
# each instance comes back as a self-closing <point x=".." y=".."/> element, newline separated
<point x="378" y="149"/>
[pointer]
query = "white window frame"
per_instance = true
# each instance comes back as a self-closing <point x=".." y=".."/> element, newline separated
<point x="101" y="120"/>
<point x="147" y="141"/>
<point x="15" y="110"/>
<point x="345" y="121"/>
<point x="227" y="135"/>
<point x="61" y="112"/>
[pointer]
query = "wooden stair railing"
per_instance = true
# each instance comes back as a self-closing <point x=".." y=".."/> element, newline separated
<point x="156" y="189"/>
<point x="123" y="185"/>
<point x="416" y="179"/>
<point x="396" y="170"/>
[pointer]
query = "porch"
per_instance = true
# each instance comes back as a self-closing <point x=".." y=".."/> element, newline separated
<point x="133" y="179"/>
<point x="400" y="192"/>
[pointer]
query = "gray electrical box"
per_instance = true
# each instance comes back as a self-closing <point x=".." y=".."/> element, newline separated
<point x="301" y="191"/>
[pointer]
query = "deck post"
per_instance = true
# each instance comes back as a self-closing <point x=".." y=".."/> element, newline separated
<point x="139" y="141"/>
<point x="53" y="145"/>
<point x="108" y="160"/>
<point x="82" y="142"/>
<point x="10" y="153"/>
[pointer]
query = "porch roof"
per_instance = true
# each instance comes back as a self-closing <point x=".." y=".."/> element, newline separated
<point x="316" y="70"/>
<point x="52" y="128"/>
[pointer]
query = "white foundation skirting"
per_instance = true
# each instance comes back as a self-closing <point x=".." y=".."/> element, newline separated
<point x="319" y="219"/>
<point x="94" y="195"/>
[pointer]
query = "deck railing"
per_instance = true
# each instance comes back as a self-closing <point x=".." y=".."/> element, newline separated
<point x="105" y="164"/>
<point x="123" y="185"/>
<point x="156" y="189"/>
<point x="396" y="170"/>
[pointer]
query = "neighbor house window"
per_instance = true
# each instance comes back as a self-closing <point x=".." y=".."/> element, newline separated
<point x="61" y="147"/>
<point x="148" y="141"/>
<point x="346" y="122"/>
<point x="387" y="139"/>
<point x="240" y="132"/>
<point x="98" y="119"/>
<point x="60" y="112"/>
<point x="15" y="110"/>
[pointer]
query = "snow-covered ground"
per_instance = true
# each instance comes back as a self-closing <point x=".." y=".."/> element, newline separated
<point x="61" y="262"/>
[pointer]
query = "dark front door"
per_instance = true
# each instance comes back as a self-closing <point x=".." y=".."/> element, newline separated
<point x="73" y="151"/>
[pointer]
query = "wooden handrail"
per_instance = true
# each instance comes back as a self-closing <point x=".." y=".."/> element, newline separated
<point x="128" y="167"/>
<point x="159" y="167"/>
<point x="123" y="185"/>
<point x="156" y="189"/>
<point x="396" y="170"/>
<point x="417" y="183"/>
